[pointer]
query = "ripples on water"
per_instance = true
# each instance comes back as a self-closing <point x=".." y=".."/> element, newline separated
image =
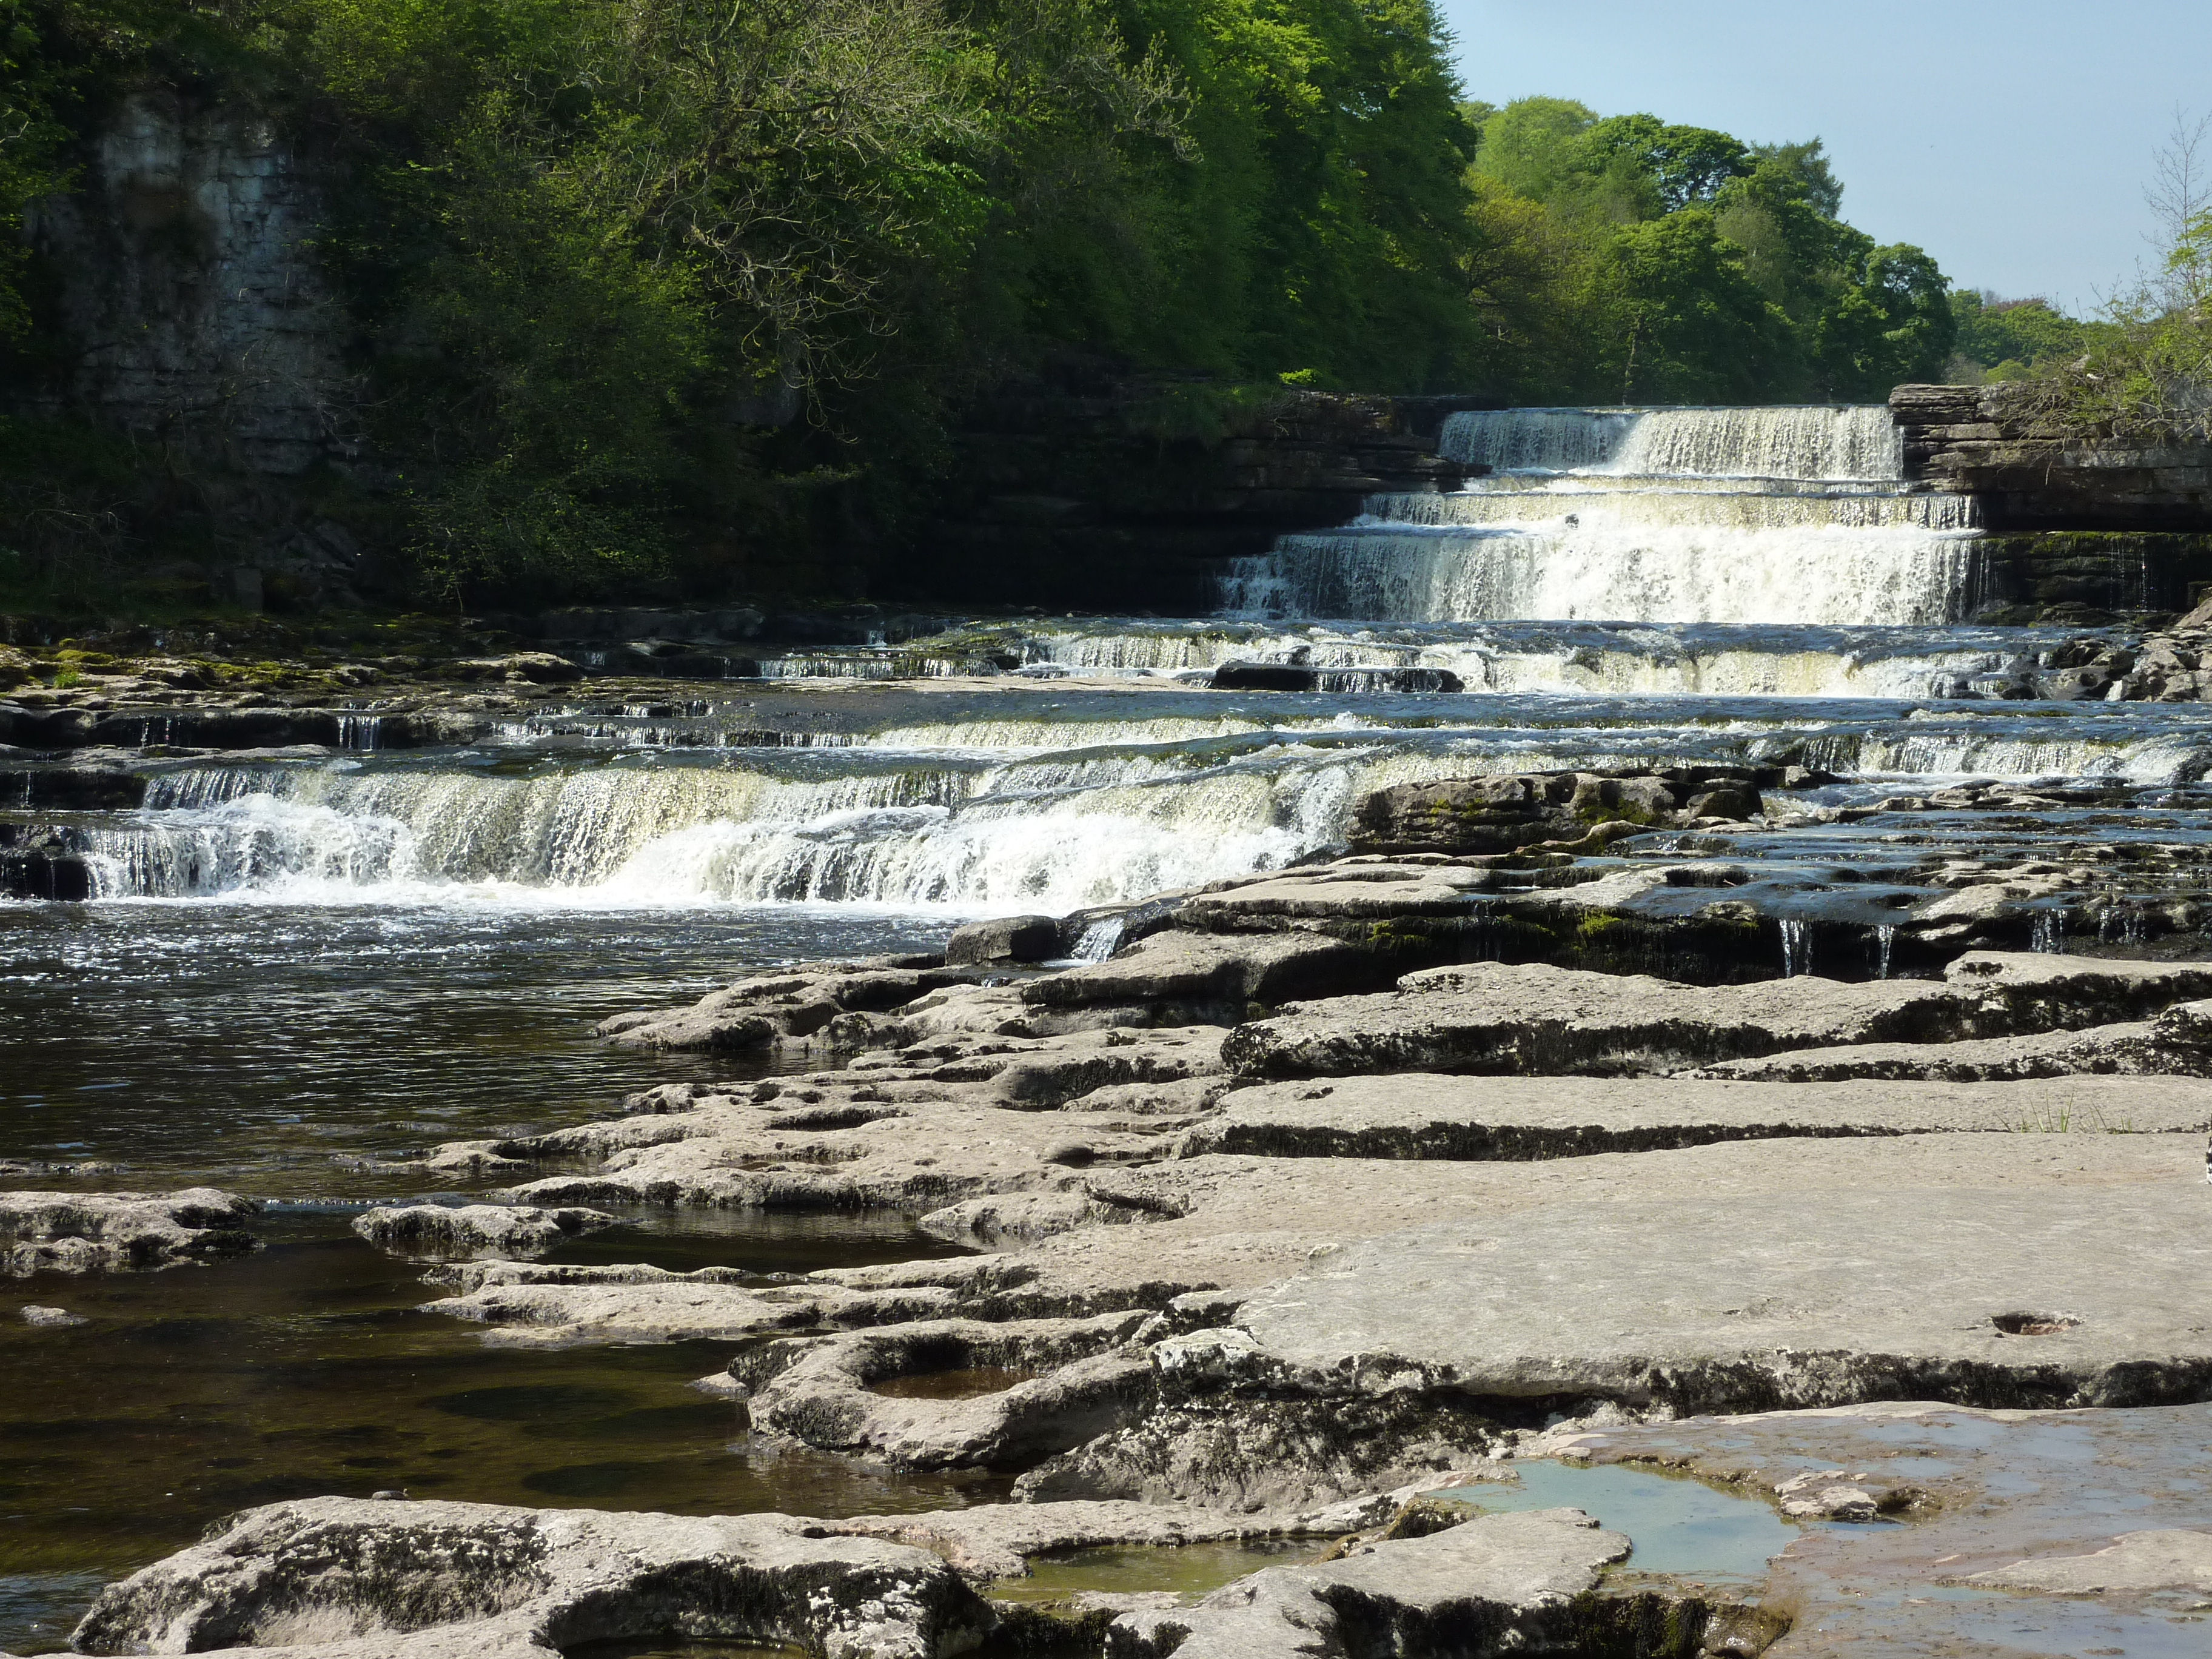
<point x="271" y="1049"/>
<point x="266" y="1046"/>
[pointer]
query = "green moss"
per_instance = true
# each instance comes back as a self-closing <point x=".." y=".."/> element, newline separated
<point x="1621" y="812"/>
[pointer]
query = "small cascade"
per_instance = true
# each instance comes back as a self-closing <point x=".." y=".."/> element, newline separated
<point x="1099" y="940"/>
<point x="1739" y="516"/>
<point x="1854" y="442"/>
<point x="1797" y="948"/>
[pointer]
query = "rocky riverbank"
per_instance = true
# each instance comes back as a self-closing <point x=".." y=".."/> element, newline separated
<point x="1267" y="1245"/>
<point x="1721" y="1110"/>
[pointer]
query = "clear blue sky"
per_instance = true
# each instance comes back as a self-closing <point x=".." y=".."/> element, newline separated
<point x="2010" y="138"/>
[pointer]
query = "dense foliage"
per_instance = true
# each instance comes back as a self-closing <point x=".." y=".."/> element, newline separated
<point x="640" y="285"/>
<point x="2009" y="339"/>
<point x="1626" y="258"/>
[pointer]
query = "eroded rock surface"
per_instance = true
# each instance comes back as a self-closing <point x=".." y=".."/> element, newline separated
<point x="2069" y="1532"/>
<point x="1548" y="1021"/>
<point x="332" y="1575"/>
<point x="477" y="1229"/>
<point x="89" y="1232"/>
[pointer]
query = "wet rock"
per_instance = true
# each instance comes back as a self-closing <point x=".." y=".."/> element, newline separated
<point x="1302" y="677"/>
<point x="516" y="668"/>
<point x="794" y="1007"/>
<point x="83" y="786"/>
<point x="2097" y="1510"/>
<point x="1499" y="813"/>
<point x="477" y="1229"/>
<point x="35" y="1315"/>
<point x="89" y="1232"/>
<point x="1008" y="938"/>
<point x="817" y="1390"/>
<point x="332" y="1576"/>
<point x="1500" y="1584"/>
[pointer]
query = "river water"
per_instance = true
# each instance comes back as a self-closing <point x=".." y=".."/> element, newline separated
<point x="300" y="967"/>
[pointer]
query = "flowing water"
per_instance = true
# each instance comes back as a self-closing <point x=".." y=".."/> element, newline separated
<point x="1681" y="515"/>
<point x="300" y="966"/>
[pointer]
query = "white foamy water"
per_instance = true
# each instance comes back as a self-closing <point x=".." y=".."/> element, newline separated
<point x="1838" y="442"/>
<point x="1746" y="516"/>
<point x="1022" y="812"/>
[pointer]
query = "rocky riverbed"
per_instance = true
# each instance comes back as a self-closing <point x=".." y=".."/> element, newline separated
<point x="1271" y="1240"/>
<point x="1423" y="1202"/>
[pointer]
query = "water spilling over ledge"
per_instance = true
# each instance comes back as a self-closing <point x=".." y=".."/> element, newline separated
<point x="1744" y="516"/>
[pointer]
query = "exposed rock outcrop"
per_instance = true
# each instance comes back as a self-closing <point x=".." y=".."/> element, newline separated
<point x="197" y="311"/>
<point x="1501" y="813"/>
<point x="1485" y="1017"/>
<point x="89" y="1232"/>
<point x="2031" y="471"/>
<point x="341" y="1576"/>
<point x="477" y="1229"/>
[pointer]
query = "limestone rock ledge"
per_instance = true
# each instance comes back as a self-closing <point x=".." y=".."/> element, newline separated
<point x="89" y="1232"/>
<point x="338" y="1578"/>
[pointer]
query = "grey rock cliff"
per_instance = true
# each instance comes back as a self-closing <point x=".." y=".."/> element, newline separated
<point x="194" y="305"/>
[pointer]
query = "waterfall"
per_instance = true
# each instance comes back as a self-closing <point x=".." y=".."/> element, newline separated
<point x="1822" y="441"/>
<point x="1743" y="516"/>
<point x="1059" y="831"/>
<point x="1601" y="572"/>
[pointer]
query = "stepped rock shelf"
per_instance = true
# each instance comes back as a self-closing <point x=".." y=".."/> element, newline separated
<point x="1614" y="1057"/>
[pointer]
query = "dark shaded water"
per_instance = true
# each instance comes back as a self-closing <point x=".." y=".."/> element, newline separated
<point x="282" y="1052"/>
<point x="269" y="1048"/>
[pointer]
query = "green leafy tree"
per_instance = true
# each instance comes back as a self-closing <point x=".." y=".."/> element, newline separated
<point x="2007" y="340"/>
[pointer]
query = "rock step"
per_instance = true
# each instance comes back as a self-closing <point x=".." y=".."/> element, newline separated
<point x="1541" y="1021"/>
<point x="1511" y="1119"/>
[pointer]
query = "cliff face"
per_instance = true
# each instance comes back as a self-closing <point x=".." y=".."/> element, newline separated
<point x="193" y="307"/>
<point x="1065" y="494"/>
<point x="1988" y="441"/>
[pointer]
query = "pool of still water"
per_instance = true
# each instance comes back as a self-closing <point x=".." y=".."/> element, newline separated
<point x="1681" y="1527"/>
<point x="294" y="1053"/>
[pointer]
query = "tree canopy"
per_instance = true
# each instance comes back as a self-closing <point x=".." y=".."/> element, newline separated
<point x="596" y="252"/>
<point x="1627" y="259"/>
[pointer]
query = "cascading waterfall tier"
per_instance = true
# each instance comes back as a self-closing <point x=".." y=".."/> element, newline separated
<point x="1022" y="811"/>
<point x="1744" y="516"/>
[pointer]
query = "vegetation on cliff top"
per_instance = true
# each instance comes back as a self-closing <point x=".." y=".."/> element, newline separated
<point x="2140" y="372"/>
<point x="651" y="290"/>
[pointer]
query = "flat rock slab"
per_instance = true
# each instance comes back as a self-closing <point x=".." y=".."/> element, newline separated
<point x="1249" y="1221"/>
<point x="537" y="1307"/>
<point x="2060" y="1297"/>
<point x="1498" y="1584"/>
<point x="1543" y="1021"/>
<point x="2023" y="1533"/>
<point x="1425" y="1115"/>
